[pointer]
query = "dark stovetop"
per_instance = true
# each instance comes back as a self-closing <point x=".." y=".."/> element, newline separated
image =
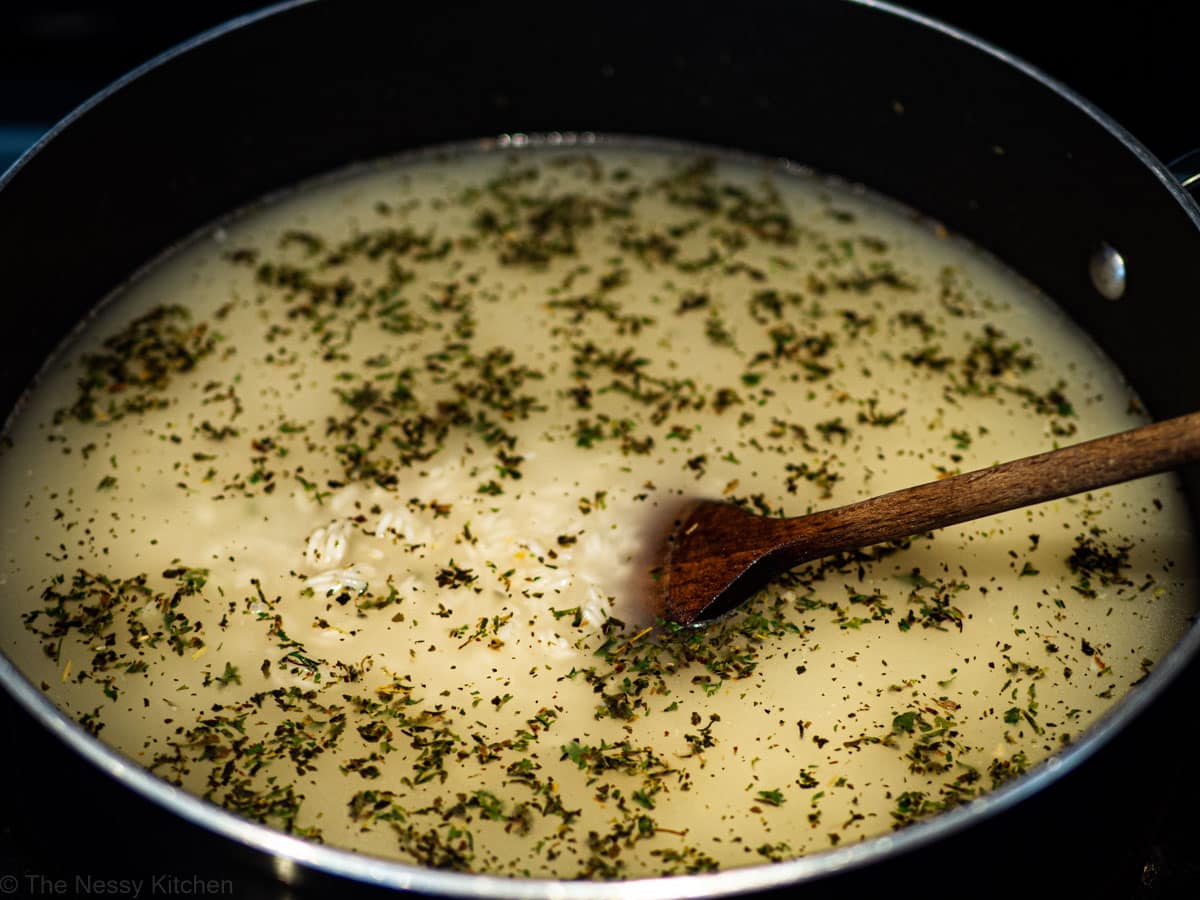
<point x="61" y="824"/>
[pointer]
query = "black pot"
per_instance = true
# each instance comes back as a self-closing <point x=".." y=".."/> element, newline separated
<point x="952" y="128"/>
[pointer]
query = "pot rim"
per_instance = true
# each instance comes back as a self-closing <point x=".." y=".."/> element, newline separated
<point x="289" y="855"/>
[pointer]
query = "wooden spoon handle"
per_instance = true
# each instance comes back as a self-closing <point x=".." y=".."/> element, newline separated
<point x="1012" y="485"/>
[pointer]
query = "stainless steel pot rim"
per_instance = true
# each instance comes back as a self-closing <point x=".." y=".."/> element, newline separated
<point x="290" y="855"/>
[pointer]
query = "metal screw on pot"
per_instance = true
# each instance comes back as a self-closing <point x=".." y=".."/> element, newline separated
<point x="1107" y="268"/>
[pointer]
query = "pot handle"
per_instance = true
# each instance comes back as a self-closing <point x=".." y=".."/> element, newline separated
<point x="1186" y="170"/>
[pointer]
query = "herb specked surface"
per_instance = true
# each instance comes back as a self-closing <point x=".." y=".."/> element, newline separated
<point x="331" y="518"/>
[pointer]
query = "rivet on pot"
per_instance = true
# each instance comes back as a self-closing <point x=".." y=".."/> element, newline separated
<point x="1107" y="268"/>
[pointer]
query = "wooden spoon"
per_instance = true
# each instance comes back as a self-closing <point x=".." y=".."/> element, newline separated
<point x="714" y="555"/>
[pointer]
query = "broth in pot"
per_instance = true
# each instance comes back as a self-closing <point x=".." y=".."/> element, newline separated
<point x="331" y="516"/>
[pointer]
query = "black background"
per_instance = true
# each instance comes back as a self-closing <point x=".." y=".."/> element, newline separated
<point x="1135" y="61"/>
<point x="58" y="819"/>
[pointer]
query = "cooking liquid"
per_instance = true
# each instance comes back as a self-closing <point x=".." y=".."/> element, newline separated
<point x="345" y="544"/>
